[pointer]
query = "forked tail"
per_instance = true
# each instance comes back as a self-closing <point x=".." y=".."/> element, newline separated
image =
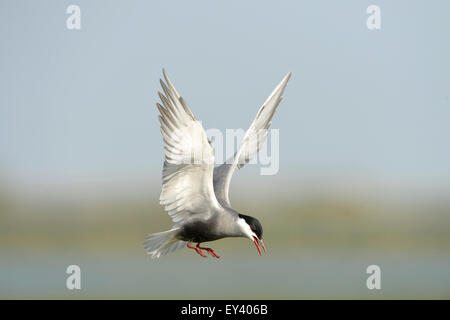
<point x="162" y="243"/>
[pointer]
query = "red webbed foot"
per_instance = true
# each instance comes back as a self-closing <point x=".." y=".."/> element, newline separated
<point x="199" y="250"/>
<point x="209" y="250"/>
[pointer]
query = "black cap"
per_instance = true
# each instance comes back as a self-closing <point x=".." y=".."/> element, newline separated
<point x="254" y="224"/>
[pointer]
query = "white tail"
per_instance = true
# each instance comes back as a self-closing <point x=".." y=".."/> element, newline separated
<point x="162" y="243"/>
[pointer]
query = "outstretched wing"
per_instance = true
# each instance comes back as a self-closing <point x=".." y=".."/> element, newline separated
<point x="187" y="188"/>
<point x="251" y="143"/>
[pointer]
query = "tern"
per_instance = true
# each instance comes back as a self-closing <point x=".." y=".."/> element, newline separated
<point x="194" y="192"/>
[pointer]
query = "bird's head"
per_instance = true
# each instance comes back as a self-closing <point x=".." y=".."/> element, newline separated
<point x="252" y="229"/>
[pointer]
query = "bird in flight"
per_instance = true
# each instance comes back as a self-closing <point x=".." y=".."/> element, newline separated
<point x="194" y="192"/>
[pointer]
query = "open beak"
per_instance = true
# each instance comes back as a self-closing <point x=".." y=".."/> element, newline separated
<point x="259" y="243"/>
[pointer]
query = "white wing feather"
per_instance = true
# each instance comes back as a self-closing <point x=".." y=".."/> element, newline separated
<point x="253" y="139"/>
<point x="187" y="188"/>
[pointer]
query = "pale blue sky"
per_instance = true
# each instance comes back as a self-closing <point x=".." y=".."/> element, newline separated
<point x="82" y="103"/>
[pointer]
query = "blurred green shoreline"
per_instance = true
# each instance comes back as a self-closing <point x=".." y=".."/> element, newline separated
<point x="318" y="248"/>
<point x="314" y="223"/>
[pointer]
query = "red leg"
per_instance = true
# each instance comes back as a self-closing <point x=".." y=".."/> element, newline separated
<point x="209" y="250"/>
<point x="197" y="249"/>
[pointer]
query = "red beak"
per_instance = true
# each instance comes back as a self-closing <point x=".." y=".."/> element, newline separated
<point x="259" y="243"/>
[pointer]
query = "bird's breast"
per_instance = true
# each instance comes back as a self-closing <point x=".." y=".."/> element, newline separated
<point x="200" y="231"/>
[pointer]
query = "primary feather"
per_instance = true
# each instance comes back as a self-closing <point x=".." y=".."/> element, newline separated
<point x="254" y="138"/>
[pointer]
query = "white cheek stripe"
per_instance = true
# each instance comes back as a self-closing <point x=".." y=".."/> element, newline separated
<point x="245" y="228"/>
